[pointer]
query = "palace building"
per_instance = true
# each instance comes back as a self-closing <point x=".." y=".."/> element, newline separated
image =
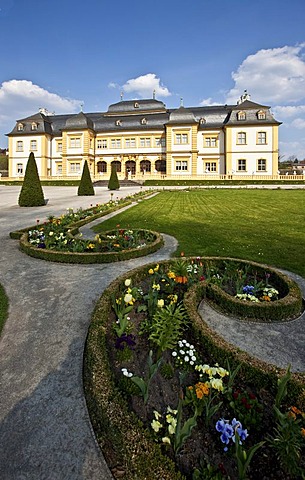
<point x="142" y="138"/>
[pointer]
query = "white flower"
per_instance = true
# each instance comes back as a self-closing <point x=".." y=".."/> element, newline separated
<point x="127" y="282"/>
<point x="186" y="358"/>
<point x="126" y="373"/>
<point x="174" y="354"/>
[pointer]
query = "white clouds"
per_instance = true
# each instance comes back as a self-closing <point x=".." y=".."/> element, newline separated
<point x="208" y="102"/>
<point x="20" y="98"/>
<point x="144" y="85"/>
<point x="298" y="123"/>
<point x="274" y="75"/>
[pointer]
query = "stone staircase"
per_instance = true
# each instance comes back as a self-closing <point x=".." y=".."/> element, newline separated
<point x="123" y="183"/>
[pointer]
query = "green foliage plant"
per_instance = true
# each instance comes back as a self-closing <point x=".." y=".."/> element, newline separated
<point x="85" y="187"/>
<point x="244" y="457"/>
<point x="144" y="383"/>
<point x="167" y="326"/>
<point x="31" y="194"/>
<point x="113" y="183"/>
<point x="3" y="307"/>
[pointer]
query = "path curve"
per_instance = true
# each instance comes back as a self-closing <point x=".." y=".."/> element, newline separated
<point x="280" y="344"/>
<point x="45" y="432"/>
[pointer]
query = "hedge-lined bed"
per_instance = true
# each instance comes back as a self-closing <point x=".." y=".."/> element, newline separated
<point x="288" y="303"/>
<point x="130" y="449"/>
<point x="90" y="256"/>
<point x="59" y="240"/>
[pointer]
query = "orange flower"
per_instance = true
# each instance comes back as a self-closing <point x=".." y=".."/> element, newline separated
<point x="201" y="389"/>
<point x="296" y="410"/>
<point x="266" y="298"/>
<point x="303" y="432"/>
<point x="292" y="415"/>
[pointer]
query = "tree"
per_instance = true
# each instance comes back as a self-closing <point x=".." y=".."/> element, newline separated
<point x="113" y="183"/>
<point x="31" y="194"/>
<point x="85" y="186"/>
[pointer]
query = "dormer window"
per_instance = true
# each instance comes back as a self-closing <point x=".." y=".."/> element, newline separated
<point x="241" y="115"/>
<point x="20" y="127"/>
<point x="34" y="126"/>
<point x="118" y="123"/>
<point x="143" y="121"/>
<point x="136" y="105"/>
<point x="261" y="115"/>
<point x="202" y="121"/>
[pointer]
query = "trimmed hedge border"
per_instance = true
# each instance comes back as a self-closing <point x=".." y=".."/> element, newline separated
<point x="119" y="432"/>
<point x="17" y="234"/>
<point x="286" y="308"/>
<point x="89" y="257"/>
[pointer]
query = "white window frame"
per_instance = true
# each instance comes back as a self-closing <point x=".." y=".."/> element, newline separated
<point x="261" y="165"/>
<point x="19" y="146"/>
<point x="261" y="138"/>
<point x="116" y="143"/>
<point x="74" y="167"/>
<point x="241" y="138"/>
<point x="33" y="145"/>
<point x="19" y="168"/>
<point x="181" y="165"/>
<point x="75" y="142"/>
<point x="242" y="167"/>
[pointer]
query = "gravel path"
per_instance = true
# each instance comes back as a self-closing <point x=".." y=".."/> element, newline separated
<point x="45" y="432"/>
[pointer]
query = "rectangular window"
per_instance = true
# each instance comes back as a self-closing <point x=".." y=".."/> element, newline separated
<point x="20" y="146"/>
<point x="115" y="143"/>
<point x="19" y="168"/>
<point x="241" y="138"/>
<point x="210" y="167"/>
<point x="59" y="146"/>
<point x="101" y="143"/>
<point x="261" y="138"/>
<point x="58" y="169"/>
<point x="261" y="165"/>
<point x="33" y="145"/>
<point x="145" y="142"/>
<point x="74" y="167"/>
<point x="210" y="141"/>
<point x="181" y="138"/>
<point x="130" y="142"/>
<point x="241" y="165"/>
<point x="75" y="142"/>
<point x="181" y="165"/>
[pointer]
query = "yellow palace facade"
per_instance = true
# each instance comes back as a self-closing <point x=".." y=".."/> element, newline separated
<point x="144" y="139"/>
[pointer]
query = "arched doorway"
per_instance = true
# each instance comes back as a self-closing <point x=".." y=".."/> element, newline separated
<point x="145" y="166"/>
<point x="101" y="167"/>
<point x="160" y="166"/>
<point x="130" y="168"/>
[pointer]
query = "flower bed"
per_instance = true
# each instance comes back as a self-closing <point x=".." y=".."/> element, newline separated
<point x="59" y="240"/>
<point x="169" y="398"/>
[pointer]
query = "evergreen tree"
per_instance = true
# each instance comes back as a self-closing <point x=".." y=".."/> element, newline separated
<point x="113" y="183"/>
<point x="31" y="194"/>
<point x="85" y="186"/>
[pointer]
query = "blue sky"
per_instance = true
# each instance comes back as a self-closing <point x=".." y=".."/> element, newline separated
<point x="60" y="54"/>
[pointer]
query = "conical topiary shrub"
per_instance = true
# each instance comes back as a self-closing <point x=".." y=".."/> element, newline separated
<point x="85" y="186"/>
<point x="113" y="183"/>
<point x="31" y="194"/>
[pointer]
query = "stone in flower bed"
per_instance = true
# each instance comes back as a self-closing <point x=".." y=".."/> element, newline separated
<point x="208" y="415"/>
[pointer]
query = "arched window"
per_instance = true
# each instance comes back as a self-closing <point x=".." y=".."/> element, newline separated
<point x="261" y="115"/>
<point x="160" y="166"/>
<point x="241" y="115"/>
<point x="117" y="165"/>
<point x="145" y="166"/>
<point x="101" y="167"/>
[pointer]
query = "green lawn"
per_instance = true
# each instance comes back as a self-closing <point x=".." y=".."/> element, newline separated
<point x="267" y="226"/>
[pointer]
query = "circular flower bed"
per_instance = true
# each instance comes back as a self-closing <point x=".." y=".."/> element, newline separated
<point x="59" y="240"/>
<point x="58" y="245"/>
<point x="170" y="399"/>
